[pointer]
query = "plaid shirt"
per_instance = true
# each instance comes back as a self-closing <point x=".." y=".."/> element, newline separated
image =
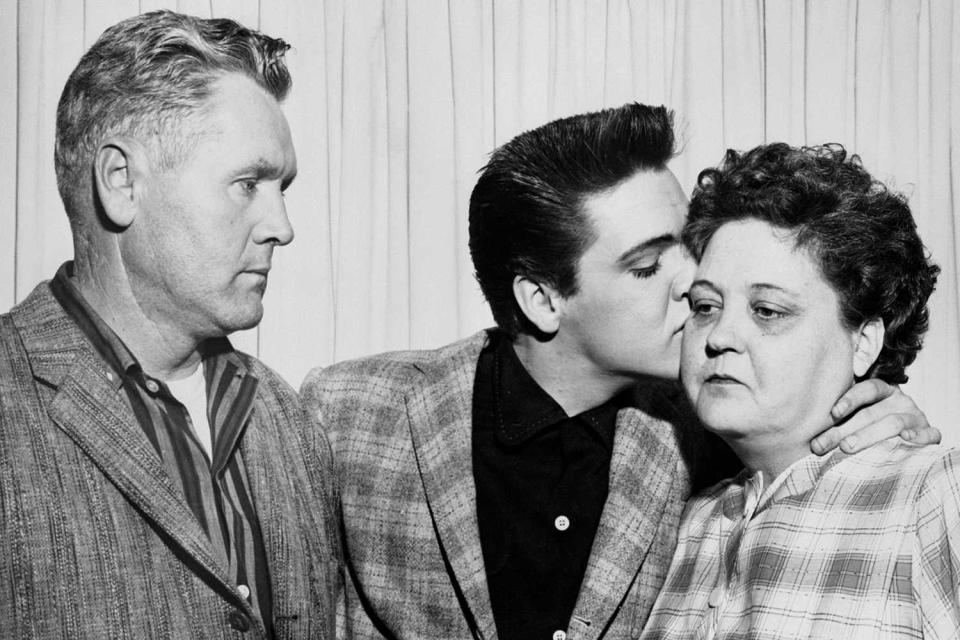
<point x="863" y="546"/>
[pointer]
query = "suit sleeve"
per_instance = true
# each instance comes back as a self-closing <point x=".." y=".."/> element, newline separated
<point x="318" y="393"/>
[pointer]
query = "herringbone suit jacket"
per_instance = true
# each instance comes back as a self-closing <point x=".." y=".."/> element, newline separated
<point x="400" y="428"/>
<point x="96" y="541"/>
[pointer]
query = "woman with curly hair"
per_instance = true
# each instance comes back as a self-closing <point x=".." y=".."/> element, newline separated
<point x="811" y="277"/>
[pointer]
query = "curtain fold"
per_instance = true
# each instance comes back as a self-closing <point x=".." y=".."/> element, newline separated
<point x="397" y="103"/>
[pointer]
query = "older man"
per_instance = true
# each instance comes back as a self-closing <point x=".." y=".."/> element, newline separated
<point x="526" y="482"/>
<point x="154" y="482"/>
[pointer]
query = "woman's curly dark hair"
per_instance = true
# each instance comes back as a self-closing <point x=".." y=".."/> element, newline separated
<point x="862" y="234"/>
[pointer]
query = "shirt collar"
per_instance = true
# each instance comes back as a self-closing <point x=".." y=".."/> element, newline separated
<point x="750" y="493"/>
<point x="108" y="344"/>
<point x="522" y="409"/>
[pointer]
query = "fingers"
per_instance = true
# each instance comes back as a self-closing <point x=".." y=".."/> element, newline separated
<point x="869" y="426"/>
<point x="869" y="412"/>
<point x="863" y="429"/>
<point x="864" y="394"/>
<point x="923" y="434"/>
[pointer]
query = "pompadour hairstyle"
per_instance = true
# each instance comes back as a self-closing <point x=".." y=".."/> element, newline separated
<point x="861" y="234"/>
<point x="143" y="77"/>
<point x="526" y="210"/>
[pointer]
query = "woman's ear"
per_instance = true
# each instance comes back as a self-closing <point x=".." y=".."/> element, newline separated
<point x="867" y="346"/>
<point x="118" y="169"/>
<point x="540" y="303"/>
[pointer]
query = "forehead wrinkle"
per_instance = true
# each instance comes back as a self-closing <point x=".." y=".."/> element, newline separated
<point x="765" y="286"/>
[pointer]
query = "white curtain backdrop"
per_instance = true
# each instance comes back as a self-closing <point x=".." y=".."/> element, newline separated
<point x="397" y="102"/>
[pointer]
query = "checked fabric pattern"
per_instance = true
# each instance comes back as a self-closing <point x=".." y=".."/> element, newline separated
<point x="863" y="546"/>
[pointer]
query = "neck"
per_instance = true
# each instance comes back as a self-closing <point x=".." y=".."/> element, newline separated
<point x="573" y="383"/>
<point x="162" y="351"/>
<point x="769" y="453"/>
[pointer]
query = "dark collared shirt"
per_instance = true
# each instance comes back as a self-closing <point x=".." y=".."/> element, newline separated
<point x="542" y="480"/>
<point x="217" y="491"/>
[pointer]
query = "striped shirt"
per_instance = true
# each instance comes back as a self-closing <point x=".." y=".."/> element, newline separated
<point x="215" y="488"/>
<point x="863" y="546"/>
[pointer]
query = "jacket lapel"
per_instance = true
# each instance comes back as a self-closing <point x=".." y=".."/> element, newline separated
<point x="89" y="407"/>
<point x="642" y="473"/>
<point x="440" y="412"/>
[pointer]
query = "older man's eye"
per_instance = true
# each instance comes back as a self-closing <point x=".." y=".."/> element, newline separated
<point x="247" y="187"/>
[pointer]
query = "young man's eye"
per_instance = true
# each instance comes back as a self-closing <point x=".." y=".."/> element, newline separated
<point x="646" y="272"/>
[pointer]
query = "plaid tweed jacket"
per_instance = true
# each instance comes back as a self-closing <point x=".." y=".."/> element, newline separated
<point x="400" y="427"/>
<point x="95" y="541"/>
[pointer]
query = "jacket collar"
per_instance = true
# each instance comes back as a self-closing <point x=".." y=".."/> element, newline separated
<point x="644" y="472"/>
<point x="439" y="408"/>
<point x="90" y="409"/>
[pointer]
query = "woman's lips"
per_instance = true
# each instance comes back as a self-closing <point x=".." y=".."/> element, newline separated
<point x="721" y="378"/>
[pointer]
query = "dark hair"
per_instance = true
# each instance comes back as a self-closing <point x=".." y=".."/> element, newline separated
<point x="526" y="213"/>
<point x="862" y="235"/>
<point x="142" y="77"/>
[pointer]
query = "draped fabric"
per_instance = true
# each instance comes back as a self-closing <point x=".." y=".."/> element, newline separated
<point x="396" y="104"/>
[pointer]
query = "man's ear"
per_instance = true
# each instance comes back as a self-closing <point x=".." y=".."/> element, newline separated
<point x="867" y="346"/>
<point x="118" y="168"/>
<point x="540" y="303"/>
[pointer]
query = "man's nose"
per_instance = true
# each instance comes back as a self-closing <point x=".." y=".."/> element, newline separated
<point x="275" y="226"/>
<point x="684" y="277"/>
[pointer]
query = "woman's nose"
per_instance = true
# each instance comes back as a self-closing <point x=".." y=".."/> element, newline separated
<point x="725" y="334"/>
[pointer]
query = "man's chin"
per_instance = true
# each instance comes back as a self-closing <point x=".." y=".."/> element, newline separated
<point x="669" y="372"/>
<point x="242" y="321"/>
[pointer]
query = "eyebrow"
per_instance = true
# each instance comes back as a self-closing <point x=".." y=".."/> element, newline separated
<point x="702" y="283"/>
<point x="758" y="286"/>
<point x="262" y="168"/>
<point x="763" y="286"/>
<point x="660" y="242"/>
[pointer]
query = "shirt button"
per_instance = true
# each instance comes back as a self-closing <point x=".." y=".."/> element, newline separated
<point x="152" y="386"/>
<point x="238" y="621"/>
<point x="244" y="590"/>
<point x="716" y="597"/>
<point x="559" y="635"/>
<point x="562" y="523"/>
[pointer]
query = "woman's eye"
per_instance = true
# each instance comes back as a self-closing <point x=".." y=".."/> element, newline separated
<point x="702" y="307"/>
<point x="768" y="313"/>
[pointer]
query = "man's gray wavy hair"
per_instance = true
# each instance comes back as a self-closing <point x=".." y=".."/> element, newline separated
<point x="142" y="78"/>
